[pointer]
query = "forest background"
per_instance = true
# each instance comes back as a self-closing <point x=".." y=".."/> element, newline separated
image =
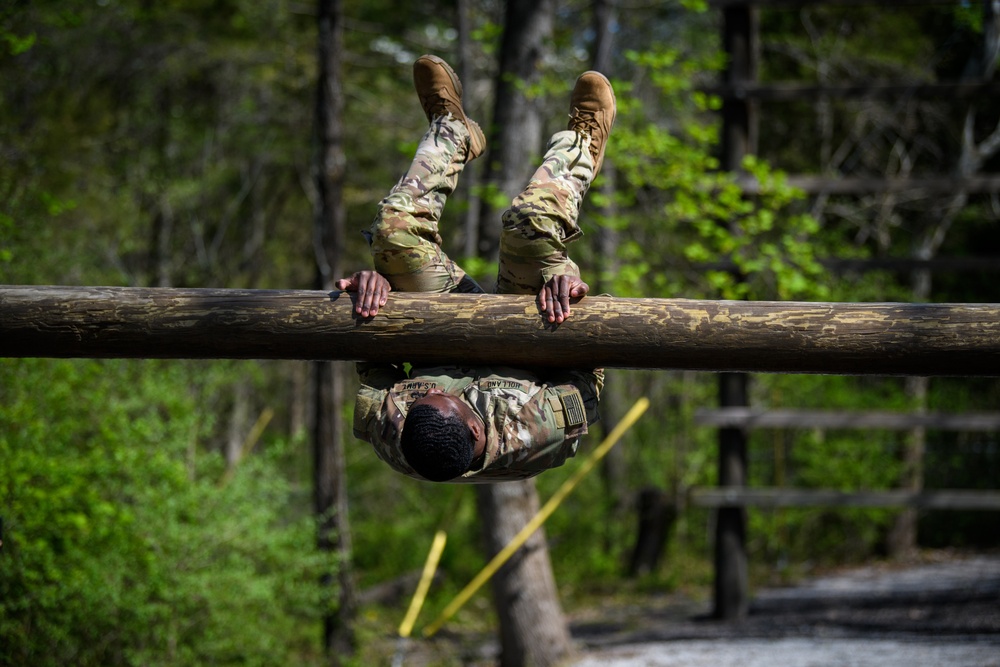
<point x="160" y="512"/>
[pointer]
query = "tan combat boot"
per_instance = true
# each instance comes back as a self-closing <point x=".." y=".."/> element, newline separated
<point x="440" y="94"/>
<point x="592" y="112"/>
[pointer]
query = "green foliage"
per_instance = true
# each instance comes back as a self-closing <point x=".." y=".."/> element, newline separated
<point x="970" y="16"/>
<point x="169" y="143"/>
<point x="763" y="245"/>
<point x="18" y="44"/>
<point x="173" y="130"/>
<point x="122" y="544"/>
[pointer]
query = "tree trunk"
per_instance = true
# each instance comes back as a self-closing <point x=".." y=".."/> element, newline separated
<point x="516" y="139"/>
<point x="468" y="186"/>
<point x="902" y="538"/>
<point x="238" y="424"/>
<point x="330" y="477"/>
<point x="330" y="484"/>
<point x="613" y="467"/>
<point x="657" y="512"/>
<point x="533" y="630"/>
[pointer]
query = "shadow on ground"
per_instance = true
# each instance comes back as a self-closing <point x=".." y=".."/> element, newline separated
<point x="943" y="612"/>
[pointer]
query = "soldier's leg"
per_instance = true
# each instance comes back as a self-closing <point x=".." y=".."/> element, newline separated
<point x="404" y="238"/>
<point x="405" y="242"/>
<point x="542" y="220"/>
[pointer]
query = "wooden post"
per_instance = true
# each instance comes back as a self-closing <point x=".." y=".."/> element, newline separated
<point x="806" y="418"/>
<point x="938" y="499"/>
<point x="731" y="583"/>
<point x="739" y="129"/>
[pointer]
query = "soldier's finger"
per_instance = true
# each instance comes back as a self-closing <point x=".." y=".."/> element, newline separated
<point x="544" y="301"/>
<point x="378" y="298"/>
<point x="555" y="308"/>
<point x="564" y="305"/>
<point x="370" y="307"/>
<point x="365" y="296"/>
<point x="362" y="305"/>
<point x="369" y="293"/>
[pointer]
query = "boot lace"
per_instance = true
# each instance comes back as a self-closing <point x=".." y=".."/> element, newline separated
<point x="434" y="104"/>
<point x="584" y="122"/>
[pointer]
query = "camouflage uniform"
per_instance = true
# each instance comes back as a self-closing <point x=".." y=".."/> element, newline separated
<point x="533" y="420"/>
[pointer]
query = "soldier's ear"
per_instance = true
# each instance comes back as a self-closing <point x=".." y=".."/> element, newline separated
<point x="478" y="430"/>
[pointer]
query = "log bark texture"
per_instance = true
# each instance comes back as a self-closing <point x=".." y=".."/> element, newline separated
<point x="783" y="337"/>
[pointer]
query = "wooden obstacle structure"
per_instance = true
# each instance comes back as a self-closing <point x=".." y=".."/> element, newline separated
<point x="725" y="336"/>
<point x="780" y="337"/>
<point x="771" y="498"/>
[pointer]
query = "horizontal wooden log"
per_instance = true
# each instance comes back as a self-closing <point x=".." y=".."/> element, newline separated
<point x="784" y="337"/>
<point x="740" y="417"/>
<point x="784" y="497"/>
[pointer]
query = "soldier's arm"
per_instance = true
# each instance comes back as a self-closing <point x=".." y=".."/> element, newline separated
<point x="379" y="375"/>
<point x="372" y="289"/>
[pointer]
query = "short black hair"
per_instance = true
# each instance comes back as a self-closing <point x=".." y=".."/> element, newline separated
<point x="438" y="447"/>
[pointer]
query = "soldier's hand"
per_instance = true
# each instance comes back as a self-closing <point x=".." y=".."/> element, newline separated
<point x="555" y="295"/>
<point x="372" y="288"/>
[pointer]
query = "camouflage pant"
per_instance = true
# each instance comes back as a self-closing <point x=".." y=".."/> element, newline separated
<point x="405" y="242"/>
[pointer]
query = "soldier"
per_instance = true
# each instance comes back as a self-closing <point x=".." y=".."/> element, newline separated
<point x="481" y="424"/>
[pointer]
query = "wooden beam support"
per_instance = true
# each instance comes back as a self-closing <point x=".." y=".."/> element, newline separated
<point x="935" y="264"/>
<point x="854" y="186"/>
<point x="784" y="4"/>
<point x="845" y="419"/>
<point x="897" y="264"/>
<point x="782" y="337"/>
<point x="943" y="499"/>
<point x="791" y="91"/>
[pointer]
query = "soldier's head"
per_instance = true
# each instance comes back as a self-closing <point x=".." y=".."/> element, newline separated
<point x="441" y="436"/>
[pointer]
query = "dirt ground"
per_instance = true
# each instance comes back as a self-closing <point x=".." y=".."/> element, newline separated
<point x="939" y="610"/>
<point x="944" y="610"/>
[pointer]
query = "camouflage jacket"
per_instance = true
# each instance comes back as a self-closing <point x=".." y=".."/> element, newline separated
<point x="533" y="421"/>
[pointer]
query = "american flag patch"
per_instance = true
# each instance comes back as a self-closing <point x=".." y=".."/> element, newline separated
<point x="573" y="408"/>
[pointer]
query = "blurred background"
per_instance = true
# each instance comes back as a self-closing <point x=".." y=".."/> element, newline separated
<point x="187" y="513"/>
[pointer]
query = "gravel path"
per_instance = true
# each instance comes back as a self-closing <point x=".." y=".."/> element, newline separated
<point x="800" y="653"/>
<point x="927" y="615"/>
